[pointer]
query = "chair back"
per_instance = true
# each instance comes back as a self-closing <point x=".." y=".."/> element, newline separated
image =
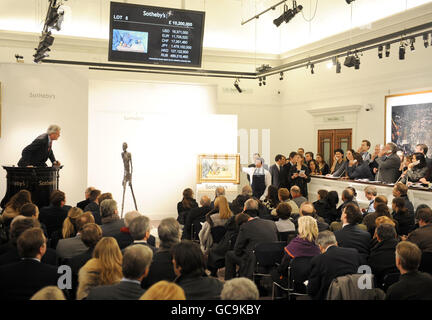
<point x="298" y="273"/>
<point x="217" y="233"/>
<point x="389" y="279"/>
<point x="287" y="236"/>
<point x="426" y="262"/>
<point x="267" y="254"/>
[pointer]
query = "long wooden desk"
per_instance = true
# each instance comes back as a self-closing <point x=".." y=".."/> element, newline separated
<point x="416" y="195"/>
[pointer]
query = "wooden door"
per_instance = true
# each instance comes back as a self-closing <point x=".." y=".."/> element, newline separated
<point x="330" y="140"/>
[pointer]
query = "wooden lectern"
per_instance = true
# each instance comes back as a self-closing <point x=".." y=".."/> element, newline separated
<point x="40" y="181"/>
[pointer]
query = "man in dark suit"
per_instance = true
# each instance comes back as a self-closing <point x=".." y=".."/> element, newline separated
<point x="276" y="171"/>
<point x="54" y="215"/>
<point x="194" y="216"/>
<point x="84" y="203"/>
<point x="382" y="254"/>
<point x="412" y="284"/>
<point x="388" y="164"/>
<point x="20" y="280"/>
<point x="11" y="254"/>
<point x="124" y="237"/>
<point x="111" y="222"/>
<point x="93" y="205"/>
<point x="351" y="236"/>
<point x="332" y="263"/>
<point x="422" y="236"/>
<point x="252" y="232"/>
<point x="37" y="153"/>
<point x="286" y="169"/>
<point x="135" y="267"/>
<point x="401" y="190"/>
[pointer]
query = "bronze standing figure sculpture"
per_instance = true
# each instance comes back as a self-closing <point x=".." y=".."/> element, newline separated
<point x="127" y="178"/>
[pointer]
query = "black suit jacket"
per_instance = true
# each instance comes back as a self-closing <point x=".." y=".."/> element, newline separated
<point x="53" y="217"/>
<point x="351" y="236"/>
<point x="411" y="286"/>
<point x="198" y="286"/>
<point x="252" y="232"/>
<point x="382" y="259"/>
<point x="276" y="175"/>
<point x="93" y="207"/>
<point x="21" y="280"/>
<point x="12" y="256"/>
<point x="124" y="290"/>
<point x="161" y="268"/>
<point x="83" y="204"/>
<point x="326" y="267"/>
<point x="37" y="153"/>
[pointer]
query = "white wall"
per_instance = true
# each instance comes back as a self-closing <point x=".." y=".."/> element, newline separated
<point x="166" y="126"/>
<point x="24" y="118"/>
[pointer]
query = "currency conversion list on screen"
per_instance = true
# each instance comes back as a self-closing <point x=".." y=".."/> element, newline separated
<point x="155" y="35"/>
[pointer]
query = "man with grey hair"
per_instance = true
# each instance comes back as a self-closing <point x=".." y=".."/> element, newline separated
<point x="388" y="164"/>
<point x="37" y="153"/>
<point x="84" y="203"/>
<point x="162" y="267"/>
<point x="297" y="196"/>
<point x="251" y="208"/>
<point x="238" y="203"/>
<point x="139" y="229"/>
<point x="370" y="194"/>
<point x="135" y="267"/>
<point x="240" y="289"/>
<point x="333" y="262"/>
<point x="111" y="222"/>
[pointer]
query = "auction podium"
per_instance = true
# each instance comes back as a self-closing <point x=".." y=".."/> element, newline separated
<point x="40" y="181"/>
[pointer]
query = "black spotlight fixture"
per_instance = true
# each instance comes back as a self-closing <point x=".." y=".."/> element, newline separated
<point x="352" y="60"/>
<point x="288" y="14"/>
<point x="236" y="85"/>
<point x="357" y="62"/>
<point x="281" y="76"/>
<point x="349" y="1"/>
<point x="412" y="41"/>
<point x="338" y="66"/>
<point x="387" y="48"/>
<point x="312" y="66"/>
<point x="55" y="17"/>
<point x="380" y="51"/>
<point x="260" y="81"/>
<point x="426" y="40"/>
<point x="264" y="80"/>
<point x="402" y="51"/>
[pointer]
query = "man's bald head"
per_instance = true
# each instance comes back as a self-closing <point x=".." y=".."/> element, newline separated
<point x="307" y="209"/>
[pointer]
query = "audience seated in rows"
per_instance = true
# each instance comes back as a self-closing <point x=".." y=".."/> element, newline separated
<point x="70" y="247"/>
<point x="271" y="201"/>
<point x="351" y="236"/>
<point x="217" y="217"/>
<point x="14" y="205"/>
<point x="10" y="250"/>
<point x="284" y="196"/>
<point x="284" y="223"/>
<point x="86" y="201"/>
<point x="135" y="267"/>
<point x="124" y="237"/>
<point x="296" y="196"/>
<point x="54" y="215"/>
<point x="251" y="232"/>
<point x="93" y="205"/>
<point x="195" y="216"/>
<point x="188" y="202"/>
<point x="333" y="262"/>
<point x="326" y="205"/>
<point x="412" y="284"/>
<point x="21" y="280"/>
<point x="381" y="209"/>
<point x="303" y="245"/>
<point x="161" y="267"/>
<point x="189" y="267"/>
<point x="30" y="210"/>
<point x="105" y="267"/>
<point x="307" y="209"/>
<point x="240" y="289"/>
<point x="238" y="203"/>
<point x="111" y="222"/>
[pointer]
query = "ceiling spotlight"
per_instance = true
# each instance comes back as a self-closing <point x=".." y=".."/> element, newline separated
<point x="288" y="14"/>
<point x="55" y="18"/>
<point x="312" y="66"/>
<point x="281" y="76"/>
<point x="426" y="40"/>
<point x="236" y="85"/>
<point x="387" y="48"/>
<point x="19" y="58"/>
<point x="349" y="1"/>
<point x="402" y="51"/>
<point x="380" y="51"/>
<point x="264" y="80"/>
<point x="412" y="41"/>
<point x="260" y="81"/>
<point x="338" y="66"/>
<point x="352" y="61"/>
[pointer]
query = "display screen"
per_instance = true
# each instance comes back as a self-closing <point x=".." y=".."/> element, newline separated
<point x="155" y="35"/>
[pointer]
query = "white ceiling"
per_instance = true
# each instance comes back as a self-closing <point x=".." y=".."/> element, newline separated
<point x="223" y="29"/>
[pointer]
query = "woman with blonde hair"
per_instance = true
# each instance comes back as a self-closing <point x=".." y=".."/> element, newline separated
<point x="217" y="217"/>
<point x="105" y="268"/>
<point x="301" y="246"/>
<point x="49" y="293"/>
<point x="164" y="290"/>
<point x="69" y="229"/>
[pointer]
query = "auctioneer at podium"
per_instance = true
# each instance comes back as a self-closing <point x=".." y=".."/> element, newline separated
<point x="37" y="153"/>
<point x="32" y="173"/>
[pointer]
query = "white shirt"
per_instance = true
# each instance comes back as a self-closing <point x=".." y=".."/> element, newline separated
<point x="265" y="172"/>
